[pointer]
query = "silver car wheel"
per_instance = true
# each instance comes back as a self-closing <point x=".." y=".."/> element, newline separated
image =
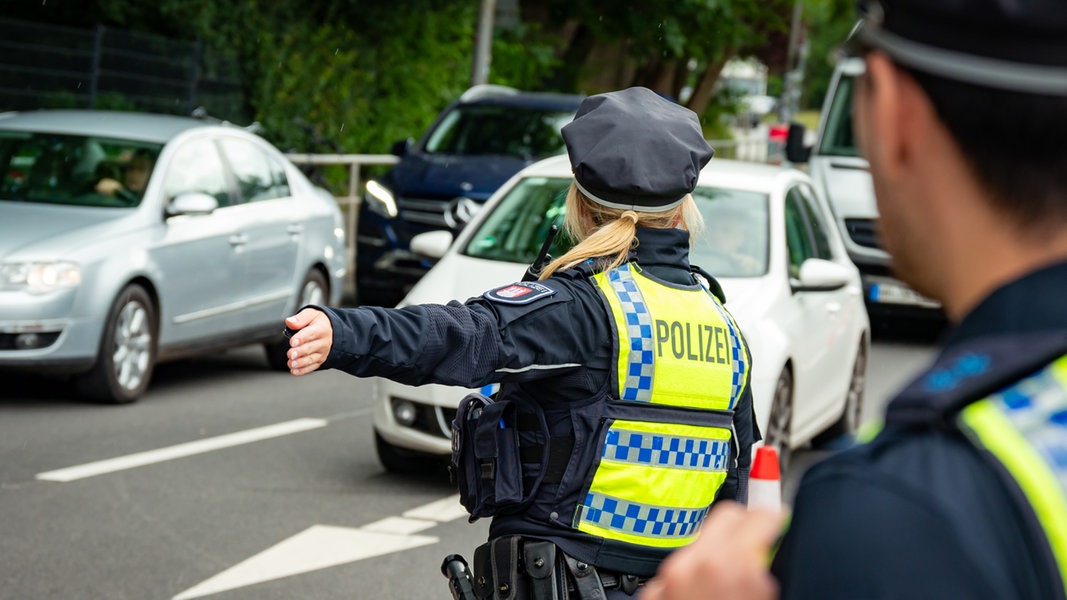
<point x="133" y="344"/>
<point x="312" y="293"/>
<point x="314" y="290"/>
<point x="127" y="356"/>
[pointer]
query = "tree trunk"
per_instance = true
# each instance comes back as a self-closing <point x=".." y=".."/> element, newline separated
<point x="573" y="59"/>
<point x="705" y="86"/>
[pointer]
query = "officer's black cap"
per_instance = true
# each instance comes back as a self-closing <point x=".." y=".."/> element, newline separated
<point x="634" y="149"/>
<point x="1016" y="45"/>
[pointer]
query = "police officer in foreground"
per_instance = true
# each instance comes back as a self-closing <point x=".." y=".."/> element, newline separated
<point x="606" y="445"/>
<point x="962" y="114"/>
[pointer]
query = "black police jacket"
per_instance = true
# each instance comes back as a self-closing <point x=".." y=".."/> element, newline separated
<point x="556" y="350"/>
<point x="918" y="512"/>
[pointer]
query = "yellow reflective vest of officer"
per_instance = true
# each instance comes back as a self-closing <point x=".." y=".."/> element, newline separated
<point x="666" y="439"/>
<point x="1023" y="429"/>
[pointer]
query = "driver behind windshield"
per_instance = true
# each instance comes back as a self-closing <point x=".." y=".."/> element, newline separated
<point x="134" y="176"/>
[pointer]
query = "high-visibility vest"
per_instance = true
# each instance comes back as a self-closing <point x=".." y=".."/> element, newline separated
<point x="1024" y="429"/>
<point x="667" y="437"/>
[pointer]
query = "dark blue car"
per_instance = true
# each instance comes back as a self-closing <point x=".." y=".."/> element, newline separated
<point x="476" y="144"/>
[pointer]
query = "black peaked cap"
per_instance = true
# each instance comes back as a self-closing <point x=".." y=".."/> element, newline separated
<point x="634" y="149"/>
<point x="1016" y="45"/>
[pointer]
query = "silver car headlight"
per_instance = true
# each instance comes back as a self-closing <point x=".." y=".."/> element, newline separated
<point x="380" y="199"/>
<point x="39" y="277"/>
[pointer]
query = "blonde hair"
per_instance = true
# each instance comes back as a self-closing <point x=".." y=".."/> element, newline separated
<point x="608" y="234"/>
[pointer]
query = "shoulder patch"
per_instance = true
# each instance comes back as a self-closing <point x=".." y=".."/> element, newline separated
<point x="522" y="292"/>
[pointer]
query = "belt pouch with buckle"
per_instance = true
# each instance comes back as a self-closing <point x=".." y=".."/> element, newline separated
<point x="544" y="566"/>
<point x="496" y="569"/>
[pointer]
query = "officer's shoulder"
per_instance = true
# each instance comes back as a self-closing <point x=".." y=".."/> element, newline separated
<point x="522" y="293"/>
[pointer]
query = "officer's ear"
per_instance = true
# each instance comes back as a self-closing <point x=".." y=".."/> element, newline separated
<point x="897" y="117"/>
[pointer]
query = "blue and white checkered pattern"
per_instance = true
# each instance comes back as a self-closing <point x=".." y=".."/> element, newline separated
<point x="679" y="452"/>
<point x="737" y="354"/>
<point x="641" y="519"/>
<point x="641" y="357"/>
<point x="1037" y="407"/>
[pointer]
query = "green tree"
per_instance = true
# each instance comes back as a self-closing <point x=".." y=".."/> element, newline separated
<point x="365" y="73"/>
<point x="828" y="25"/>
<point x="671" y="46"/>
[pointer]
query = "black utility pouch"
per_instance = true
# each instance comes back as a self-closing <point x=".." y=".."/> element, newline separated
<point x="497" y="573"/>
<point x="485" y="456"/>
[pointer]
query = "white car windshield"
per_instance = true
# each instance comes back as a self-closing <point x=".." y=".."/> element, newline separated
<point x="837" y="137"/>
<point x="734" y="244"/>
<point x="71" y="169"/>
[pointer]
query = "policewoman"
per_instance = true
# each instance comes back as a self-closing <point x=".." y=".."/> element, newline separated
<point x="605" y="446"/>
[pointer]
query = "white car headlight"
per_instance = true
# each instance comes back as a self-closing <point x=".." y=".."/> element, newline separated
<point x="380" y="199"/>
<point x="39" y="278"/>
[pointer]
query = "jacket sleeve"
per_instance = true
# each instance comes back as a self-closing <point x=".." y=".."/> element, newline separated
<point x="466" y="344"/>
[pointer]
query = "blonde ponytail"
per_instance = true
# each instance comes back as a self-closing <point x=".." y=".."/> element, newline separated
<point x="608" y="234"/>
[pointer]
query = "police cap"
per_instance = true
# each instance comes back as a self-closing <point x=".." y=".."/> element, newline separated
<point x="634" y="149"/>
<point x="1017" y="45"/>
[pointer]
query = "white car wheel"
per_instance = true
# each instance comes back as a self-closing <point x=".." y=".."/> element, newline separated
<point x="852" y="414"/>
<point x="781" y="418"/>
<point x="401" y="460"/>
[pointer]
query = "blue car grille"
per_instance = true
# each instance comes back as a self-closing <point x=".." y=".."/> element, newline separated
<point x="424" y="210"/>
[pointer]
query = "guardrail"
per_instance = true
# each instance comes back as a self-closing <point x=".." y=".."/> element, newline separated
<point x="349" y="203"/>
<point x="751" y="147"/>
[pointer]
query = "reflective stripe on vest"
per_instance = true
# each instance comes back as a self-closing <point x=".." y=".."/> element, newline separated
<point x="1025" y="428"/>
<point x="655" y="480"/>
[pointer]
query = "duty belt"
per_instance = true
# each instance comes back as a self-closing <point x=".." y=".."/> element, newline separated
<point x="513" y="568"/>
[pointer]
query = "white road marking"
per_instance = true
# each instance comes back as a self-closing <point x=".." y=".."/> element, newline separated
<point x="318" y="547"/>
<point x="323" y="546"/>
<point x="398" y="525"/>
<point x="181" y="450"/>
<point x="445" y="509"/>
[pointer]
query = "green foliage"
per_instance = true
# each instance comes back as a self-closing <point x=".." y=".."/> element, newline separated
<point x="63" y="99"/>
<point x="358" y="75"/>
<point x="324" y="76"/>
<point x="523" y="57"/>
<point x="829" y="23"/>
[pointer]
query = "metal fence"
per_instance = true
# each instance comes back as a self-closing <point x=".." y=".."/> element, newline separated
<point x="50" y="66"/>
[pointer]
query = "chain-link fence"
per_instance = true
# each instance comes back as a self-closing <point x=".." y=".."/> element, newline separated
<point x="50" y="66"/>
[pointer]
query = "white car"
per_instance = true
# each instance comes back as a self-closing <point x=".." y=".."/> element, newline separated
<point x="769" y="241"/>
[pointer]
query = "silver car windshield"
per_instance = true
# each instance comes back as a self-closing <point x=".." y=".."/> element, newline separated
<point x="78" y="170"/>
<point x="735" y="243"/>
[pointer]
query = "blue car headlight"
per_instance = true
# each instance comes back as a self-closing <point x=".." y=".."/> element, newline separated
<point x="39" y="277"/>
<point x="380" y="199"/>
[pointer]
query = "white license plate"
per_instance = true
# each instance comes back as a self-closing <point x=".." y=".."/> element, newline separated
<point x="894" y="293"/>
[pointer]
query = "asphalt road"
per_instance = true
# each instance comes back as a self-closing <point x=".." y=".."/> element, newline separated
<point x="230" y="481"/>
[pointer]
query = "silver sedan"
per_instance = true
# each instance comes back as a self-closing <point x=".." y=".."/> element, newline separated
<point x="127" y="239"/>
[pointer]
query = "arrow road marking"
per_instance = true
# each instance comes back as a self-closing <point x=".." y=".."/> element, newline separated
<point x="323" y="546"/>
<point x="181" y="450"/>
<point x="318" y="547"/>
